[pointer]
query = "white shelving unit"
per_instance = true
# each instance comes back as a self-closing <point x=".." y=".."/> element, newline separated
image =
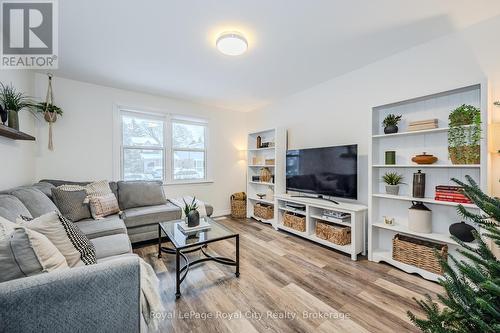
<point x="256" y="160"/>
<point x="408" y="144"/>
<point x="313" y="212"/>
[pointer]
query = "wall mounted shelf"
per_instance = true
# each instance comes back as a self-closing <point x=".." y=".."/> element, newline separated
<point x="15" y="134"/>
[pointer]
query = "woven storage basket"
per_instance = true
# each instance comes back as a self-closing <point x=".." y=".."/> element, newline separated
<point x="239" y="205"/>
<point x="336" y="234"/>
<point x="296" y="222"/>
<point x="263" y="211"/>
<point x="419" y="253"/>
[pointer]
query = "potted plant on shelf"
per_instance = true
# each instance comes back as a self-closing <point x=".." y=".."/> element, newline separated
<point x="391" y="123"/>
<point x="13" y="102"/>
<point x="392" y="181"/>
<point x="464" y="135"/>
<point x="191" y="212"/>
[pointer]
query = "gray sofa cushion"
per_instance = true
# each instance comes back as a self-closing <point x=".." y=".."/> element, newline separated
<point x="110" y="225"/>
<point x="141" y="216"/>
<point x="45" y="188"/>
<point x="120" y="256"/>
<point x="37" y="203"/>
<point x="11" y="208"/>
<point x="111" y="245"/>
<point x="140" y="193"/>
<point x="72" y="204"/>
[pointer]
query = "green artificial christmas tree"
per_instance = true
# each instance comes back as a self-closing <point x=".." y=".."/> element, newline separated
<point x="472" y="287"/>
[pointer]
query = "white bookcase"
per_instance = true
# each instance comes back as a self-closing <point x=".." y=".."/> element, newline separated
<point x="256" y="160"/>
<point x="408" y="144"/>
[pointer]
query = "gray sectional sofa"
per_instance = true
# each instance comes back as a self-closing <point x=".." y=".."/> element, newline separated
<point x="96" y="298"/>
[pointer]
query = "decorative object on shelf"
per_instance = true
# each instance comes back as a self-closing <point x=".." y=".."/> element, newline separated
<point x="265" y="175"/>
<point x="464" y="135"/>
<point x="269" y="161"/>
<point x="335" y="234"/>
<point x="265" y="145"/>
<point x="392" y="181"/>
<point x="419" y="184"/>
<point x="13" y="102"/>
<point x="390" y="157"/>
<point x="390" y="123"/>
<point x="263" y="211"/>
<point x="256" y="178"/>
<point x="388" y="220"/>
<point x="424" y="158"/>
<point x="476" y="276"/>
<point x="294" y="221"/>
<point x="257" y="160"/>
<point x="451" y="194"/>
<point x="259" y="142"/>
<point x="419" y="253"/>
<point x="239" y="205"/>
<point x="191" y="212"/>
<point x="422" y="125"/>
<point x="260" y="195"/>
<point x="270" y="194"/>
<point x="419" y="218"/>
<point x="3" y="115"/>
<point x="462" y="231"/>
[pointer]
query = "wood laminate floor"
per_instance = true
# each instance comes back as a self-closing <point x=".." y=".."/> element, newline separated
<point x="287" y="284"/>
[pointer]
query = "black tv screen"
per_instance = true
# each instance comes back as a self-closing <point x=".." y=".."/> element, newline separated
<point x="330" y="171"/>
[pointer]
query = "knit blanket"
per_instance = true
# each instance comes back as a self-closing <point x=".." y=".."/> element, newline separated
<point x="150" y="296"/>
<point x="179" y="202"/>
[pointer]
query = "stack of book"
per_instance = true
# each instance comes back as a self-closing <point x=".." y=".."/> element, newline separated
<point x="421" y="125"/>
<point x="451" y="193"/>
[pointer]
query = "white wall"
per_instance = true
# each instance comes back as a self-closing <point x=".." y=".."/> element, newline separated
<point x="83" y="138"/>
<point x="17" y="158"/>
<point x="339" y="111"/>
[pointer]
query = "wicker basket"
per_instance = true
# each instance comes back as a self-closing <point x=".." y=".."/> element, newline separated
<point x="419" y="253"/>
<point x="239" y="205"/>
<point x="263" y="211"/>
<point x="296" y="222"/>
<point x="335" y="234"/>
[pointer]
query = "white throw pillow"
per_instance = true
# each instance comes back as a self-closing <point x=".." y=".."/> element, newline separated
<point x="24" y="252"/>
<point x="66" y="236"/>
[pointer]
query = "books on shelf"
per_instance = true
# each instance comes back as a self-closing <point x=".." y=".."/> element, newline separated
<point x="422" y="125"/>
<point x="451" y="194"/>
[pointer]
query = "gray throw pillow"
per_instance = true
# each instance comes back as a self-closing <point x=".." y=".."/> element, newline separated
<point x="46" y="188"/>
<point x="140" y="193"/>
<point x="37" y="203"/>
<point x="11" y="207"/>
<point x="72" y="204"/>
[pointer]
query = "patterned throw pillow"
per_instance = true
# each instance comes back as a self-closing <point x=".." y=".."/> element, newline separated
<point x="72" y="204"/>
<point x="66" y="237"/>
<point x="101" y="206"/>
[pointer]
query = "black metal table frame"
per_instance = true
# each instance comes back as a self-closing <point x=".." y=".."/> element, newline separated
<point x="202" y="246"/>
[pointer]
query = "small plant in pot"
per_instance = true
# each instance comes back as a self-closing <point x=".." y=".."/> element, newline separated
<point x="192" y="214"/>
<point x="13" y="102"/>
<point x="390" y="123"/>
<point x="392" y="181"/>
<point x="464" y="135"/>
<point x="50" y="113"/>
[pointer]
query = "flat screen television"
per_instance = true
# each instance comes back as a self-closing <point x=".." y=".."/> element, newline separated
<point x="329" y="171"/>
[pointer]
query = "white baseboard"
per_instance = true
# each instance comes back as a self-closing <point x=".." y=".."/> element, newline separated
<point x="223" y="212"/>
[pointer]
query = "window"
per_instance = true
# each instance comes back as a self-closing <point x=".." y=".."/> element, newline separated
<point x="188" y="150"/>
<point x="150" y="143"/>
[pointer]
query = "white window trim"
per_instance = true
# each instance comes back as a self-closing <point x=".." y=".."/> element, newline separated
<point x="168" y="119"/>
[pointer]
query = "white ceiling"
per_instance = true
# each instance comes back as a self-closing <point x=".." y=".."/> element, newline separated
<point x="166" y="47"/>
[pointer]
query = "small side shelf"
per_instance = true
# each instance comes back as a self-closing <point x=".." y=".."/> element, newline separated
<point x="426" y="200"/>
<point x="15" y="134"/>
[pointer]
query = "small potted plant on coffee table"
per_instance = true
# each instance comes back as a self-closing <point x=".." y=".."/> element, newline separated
<point x="392" y="181"/>
<point x="192" y="214"/>
<point x="390" y="123"/>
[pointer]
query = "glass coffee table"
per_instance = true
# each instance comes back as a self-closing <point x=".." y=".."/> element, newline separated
<point x="187" y="242"/>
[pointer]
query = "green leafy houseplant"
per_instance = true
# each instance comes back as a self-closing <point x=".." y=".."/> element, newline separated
<point x="464" y="135"/>
<point x="390" y="123"/>
<point x="191" y="211"/>
<point x="472" y="288"/>
<point x="13" y="102"/>
<point x="50" y="112"/>
<point x="392" y="181"/>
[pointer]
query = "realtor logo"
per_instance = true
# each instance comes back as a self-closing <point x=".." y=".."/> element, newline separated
<point x="29" y="34"/>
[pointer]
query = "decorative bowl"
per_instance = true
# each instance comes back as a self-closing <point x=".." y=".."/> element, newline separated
<point x="424" y="159"/>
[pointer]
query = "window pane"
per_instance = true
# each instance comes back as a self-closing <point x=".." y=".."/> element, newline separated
<point x="142" y="132"/>
<point x="189" y="165"/>
<point x="142" y="164"/>
<point x="188" y="136"/>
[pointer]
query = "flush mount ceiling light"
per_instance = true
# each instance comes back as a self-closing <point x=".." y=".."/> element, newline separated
<point x="232" y="43"/>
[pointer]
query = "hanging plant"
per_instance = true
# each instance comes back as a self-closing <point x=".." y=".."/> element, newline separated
<point x="49" y="110"/>
<point x="464" y="135"/>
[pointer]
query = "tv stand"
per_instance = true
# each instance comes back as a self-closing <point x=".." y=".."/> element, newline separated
<point x="320" y="197"/>
<point x="314" y="213"/>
